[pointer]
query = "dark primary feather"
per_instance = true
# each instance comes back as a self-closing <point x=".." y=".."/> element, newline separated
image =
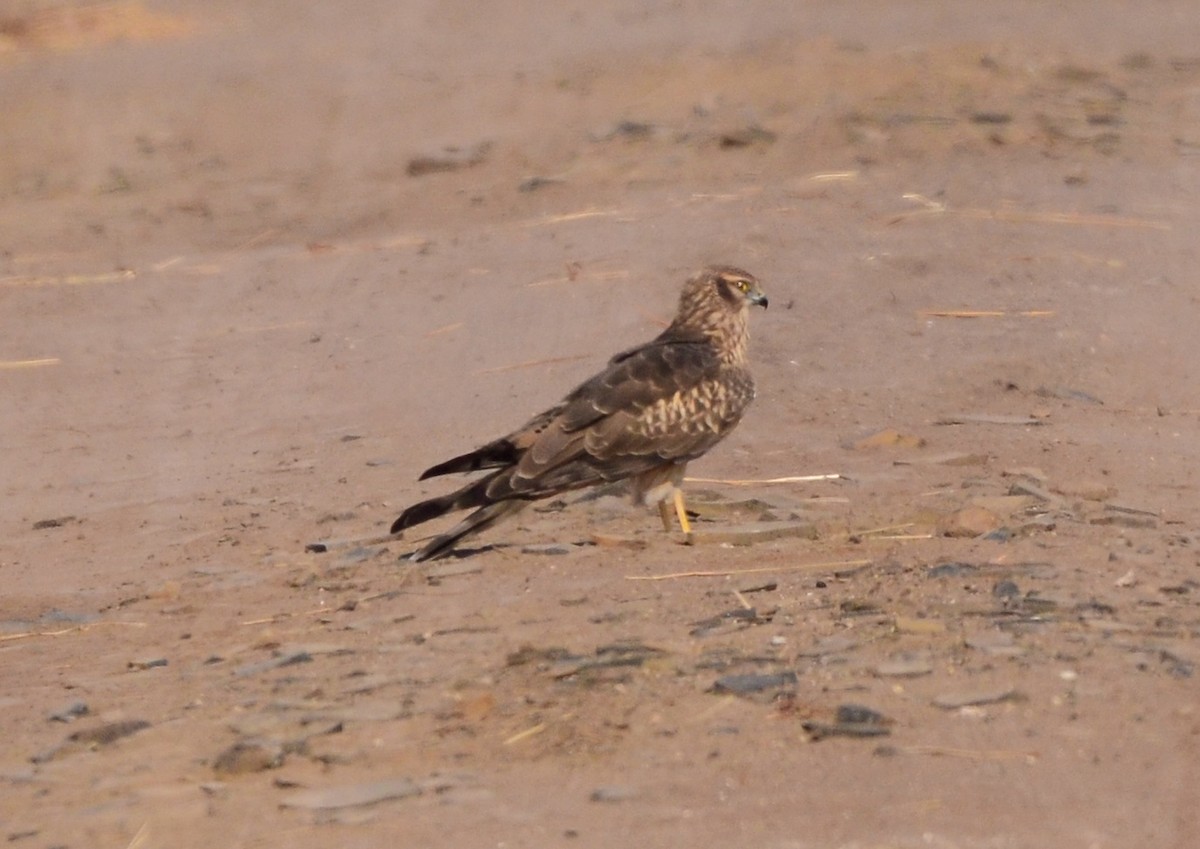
<point x="494" y="455"/>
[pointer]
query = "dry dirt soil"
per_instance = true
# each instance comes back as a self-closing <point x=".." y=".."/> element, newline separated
<point x="262" y="263"/>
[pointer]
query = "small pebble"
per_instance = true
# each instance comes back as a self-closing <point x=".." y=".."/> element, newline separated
<point x="953" y="569"/>
<point x="952" y="701"/>
<point x="1006" y="589"/>
<point x="148" y="663"/>
<point x="69" y="712"/>
<point x="971" y="521"/>
<point x="353" y="795"/>
<point x="905" y="665"/>
<point x="613" y="793"/>
<point x="246" y="756"/>
<point x="753" y="683"/>
<point x="548" y="549"/>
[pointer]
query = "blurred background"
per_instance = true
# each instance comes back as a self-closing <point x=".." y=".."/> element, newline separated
<point x="211" y="125"/>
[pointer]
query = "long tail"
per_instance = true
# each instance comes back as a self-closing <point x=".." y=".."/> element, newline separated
<point x="474" y="494"/>
<point x="480" y="520"/>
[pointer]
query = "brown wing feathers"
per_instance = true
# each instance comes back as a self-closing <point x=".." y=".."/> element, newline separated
<point x="665" y="402"/>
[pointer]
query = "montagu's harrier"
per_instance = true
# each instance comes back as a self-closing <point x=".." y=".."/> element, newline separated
<point x="651" y="410"/>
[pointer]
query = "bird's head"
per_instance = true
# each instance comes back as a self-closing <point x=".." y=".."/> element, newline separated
<point x="714" y="304"/>
<point x="736" y="288"/>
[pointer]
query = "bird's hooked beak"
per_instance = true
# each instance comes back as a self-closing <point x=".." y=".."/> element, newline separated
<point x="757" y="297"/>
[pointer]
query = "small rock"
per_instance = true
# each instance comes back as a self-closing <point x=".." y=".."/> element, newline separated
<point x="92" y="738"/>
<point x="448" y="159"/>
<point x="613" y="793"/>
<point x="954" y="458"/>
<point x="905" y="665"/>
<point x="530" y="184"/>
<point x="1125" y="516"/>
<point x="768" y="587"/>
<point x="996" y="643"/>
<point x="625" y="129"/>
<point x="246" y="756"/>
<point x="738" y="618"/>
<point x="753" y="683"/>
<point x="850" y="721"/>
<point x="1006" y="589"/>
<point x="286" y="659"/>
<point x="104" y="735"/>
<point x="549" y="549"/>
<point x="953" y="701"/>
<point x="1033" y="473"/>
<point x="43" y="524"/>
<point x="1003" y="505"/>
<point x="1036" y="490"/>
<point x="1124" y="520"/>
<point x="970" y="521"/>
<point x="745" y="136"/>
<point x="1036" y="525"/>
<point x="1065" y="393"/>
<point x="69" y="712"/>
<point x="148" y="663"/>
<point x="953" y="569"/>
<point x="436" y="572"/>
<point x="1129" y="579"/>
<point x="353" y="795"/>
<point x="834" y="644"/>
<point x="751" y="533"/>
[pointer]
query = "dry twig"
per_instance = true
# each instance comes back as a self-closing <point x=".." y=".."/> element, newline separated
<point x="727" y="573"/>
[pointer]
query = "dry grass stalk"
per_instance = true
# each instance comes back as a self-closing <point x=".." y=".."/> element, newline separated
<point x="754" y="481"/>
<point x="970" y="754"/>
<point x="458" y="325"/>
<point x="69" y="279"/>
<point x="258" y="238"/>
<point x="16" y="364"/>
<point x="141" y="838"/>
<point x="547" y="220"/>
<point x="599" y="276"/>
<point x="77" y="628"/>
<point x="526" y="734"/>
<point x="881" y="530"/>
<point x="532" y="363"/>
<point x="987" y="313"/>
<point x="728" y="573"/>
<point x="1014" y="216"/>
<point x="834" y="176"/>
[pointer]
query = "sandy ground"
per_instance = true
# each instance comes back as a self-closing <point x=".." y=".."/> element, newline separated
<point x="263" y="263"/>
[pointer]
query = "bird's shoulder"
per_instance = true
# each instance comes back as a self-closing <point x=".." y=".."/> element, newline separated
<point x="640" y="377"/>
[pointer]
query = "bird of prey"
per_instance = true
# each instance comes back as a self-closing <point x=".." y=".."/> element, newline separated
<point x="649" y="412"/>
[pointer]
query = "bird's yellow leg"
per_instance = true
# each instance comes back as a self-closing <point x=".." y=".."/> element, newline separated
<point x="681" y="512"/>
